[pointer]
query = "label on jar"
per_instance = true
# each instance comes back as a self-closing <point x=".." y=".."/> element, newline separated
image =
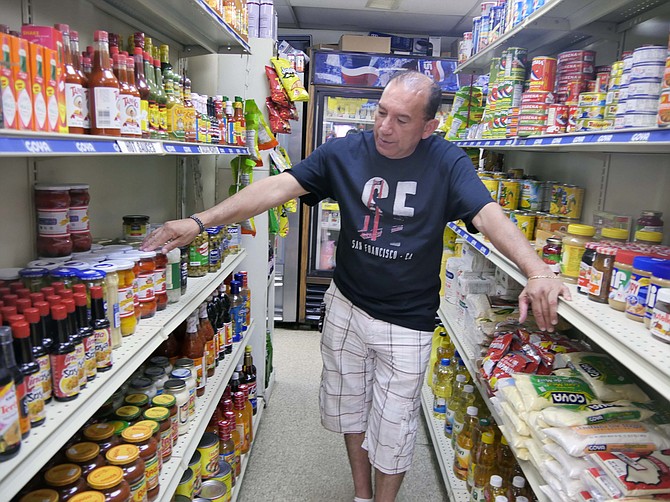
<point x="151" y="472"/>
<point x="160" y="284"/>
<point x="85" y="100"/>
<point x="596" y="282"/>
<point x="174" y="426"/>
<point x="146" y="286"/>
<point x="636" y="301"/>
<point x="79" y="221"/>
<point x="199" y="255"/>
<point x="10" y="430"/>
<point x="106" y="112"/>
<point x="81" y="357"/>
<point x="200" y="373"/>
<point x="65" y="374"/>
<point x="660" y="324"/>
<point x="166" y="443"/>
<point x="585" y="271"/>
<point x="172" y="277"/>
<point x="35" y="398"/>
<point x="210" y="351"/>
<point x="53" y="222"/>
<point x="220" y="340"/>
<point x="126" y="302"/>
<point x="571" y="260"/>
<point x="90" y="358"/>
<point x="130" y="114"/>
<point x="138" y="491"/>
<point x="183" y="412"/>
<point x="74" y="105"/>
<point x="651" y="299"/>
<point x="45" y="375"/>
<point x="619" y="284"/>
<point x="103" y="348"/>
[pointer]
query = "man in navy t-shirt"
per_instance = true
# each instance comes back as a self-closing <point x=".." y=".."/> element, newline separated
<point x="397" y="187"/>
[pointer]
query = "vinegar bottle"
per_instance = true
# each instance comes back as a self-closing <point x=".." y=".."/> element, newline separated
<point x="104" y="90"/>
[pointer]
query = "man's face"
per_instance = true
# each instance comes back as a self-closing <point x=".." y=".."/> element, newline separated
<point x="400" y="121"/>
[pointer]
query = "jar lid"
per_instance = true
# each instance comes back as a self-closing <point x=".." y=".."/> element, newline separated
<point x="554" y="240"/>
<point x="99" y="431"/>
<point x="9" y="274"/>
<point x="82" y="452"/>
<point x="591" y="245"/>
<point x="96" y="246"/>
<point x="646" y="263"/>
<point x="48" y="264"/>
<point x="583" y="230"/>
<point x="661" y="270"/>
<point x="119" y="426"/>
<point x="181" y="373"/>
<point x="663" y="295"/>
<point x="91" y="274"/>
<point x="161" y="361"/>
<point x="626" y="256"/>
<point x="137" y="433"/>
<point x="157" y="413"/>
<point x="137" y="399"/>
<point x="88" y="496"/>
<point x="122" y="454"/>
<point x="79" y="186"/>
<point x="212" y="489"/>
<point x="62" y="474"/>
<point x="64" y="272"/>
<point x="213" y="230"/>
<point x="183" y="362"/>
<point x="104" y="478"/>
<point x="52" y="187"/>
<point x="135" y="218"/>
<point x="164" y="400"/>
<point x="77" y="264"/>
<point x="606" y="250"/>
<point x="121" y="264"/>
<point x="128" y="412"/>
<point x="154" y="372"/>
<point x="614" y="233"/>
<point x="174" y="385"/>
<point x="116" y="248"/>
<point x="42" y="495"/>
<point x="32" y="272"/>
<point x="106" y="266"/>
<point x="152" y="425"/>
<point x="141" y="383"/>
<point x="146" y="254"/>
<point x="642" y="235"/>
<point x="59" y="259"/>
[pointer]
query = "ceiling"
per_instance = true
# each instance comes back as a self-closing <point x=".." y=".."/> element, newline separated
<point x="446" y="18"/>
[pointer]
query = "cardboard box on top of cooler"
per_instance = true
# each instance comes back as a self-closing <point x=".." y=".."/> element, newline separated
<point x="416" y="46"/>
<point x="362" y="43"/>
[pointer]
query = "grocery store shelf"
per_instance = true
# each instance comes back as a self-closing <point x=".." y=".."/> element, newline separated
<point x="448" y="314"/>
<point x="627" y="341"/>
<point x="192" y="24"/>
<point x="204" y="408"/>
<point x="348" y="120"/>
<point x="456" y="489"/>
<point x="646" y="140"/>
<point x="245" y="458"/>
<point x="64" y="419"/>
<point x="561" y="25"/>
<point x="39" y="144"/>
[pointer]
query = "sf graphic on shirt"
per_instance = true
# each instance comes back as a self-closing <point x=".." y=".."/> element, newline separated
<point x="374" y="190"/>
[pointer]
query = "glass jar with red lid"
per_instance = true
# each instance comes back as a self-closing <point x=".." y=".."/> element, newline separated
<point x="52" y="205"/>
<point x="80" y="229"/>
<point x="160" y="283"/>
<point x="146" y="283"/>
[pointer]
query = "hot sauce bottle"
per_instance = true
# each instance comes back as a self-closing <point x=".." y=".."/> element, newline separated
<point x="144" y="91"/>
<point x="104" y="90"/>
<point x="79" y="67"/>
<point x="194" y="348"/>
<point x="73" y="86"/>
<point x="134" y="121"/>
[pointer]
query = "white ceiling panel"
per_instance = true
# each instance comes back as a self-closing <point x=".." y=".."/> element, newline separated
<point x="434" y="7"/>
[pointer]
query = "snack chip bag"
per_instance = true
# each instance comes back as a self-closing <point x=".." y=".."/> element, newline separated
<point x="277" y="92"/>
<point x="278" y="125"/>
<point x="243" y="168"/>
<point x="290" y="80"/>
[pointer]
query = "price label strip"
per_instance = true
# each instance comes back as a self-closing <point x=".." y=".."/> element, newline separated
<point x="46" y="147"/>
<point x="461" y="232"/>
<point x="140" y="147"/>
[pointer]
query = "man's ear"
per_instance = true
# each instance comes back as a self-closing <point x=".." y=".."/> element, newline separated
<point x="430" y="128"/>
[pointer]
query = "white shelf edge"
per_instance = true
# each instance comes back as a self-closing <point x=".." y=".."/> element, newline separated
<point x="205" y="406"/>
<point x="267" y="393"/>
<point x="456" y="489"/>
<point x="247" y="456"/>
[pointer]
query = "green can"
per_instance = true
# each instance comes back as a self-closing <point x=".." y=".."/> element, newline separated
<point x="517" y="63"/>
<point x="494" y="69"/>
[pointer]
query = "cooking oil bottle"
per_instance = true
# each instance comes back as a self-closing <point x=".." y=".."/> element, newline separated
<point x="464" y="443"/>
<point x="506" y="461"/>
<point x="494" y="488"/>
<point x="484" y="462"/>
<point x="467" y="399"/>
<point x="518" y="489"/>
<point x="453" y="404"/>
<point x="484" y="425"/>
<point x="442" y="388"/>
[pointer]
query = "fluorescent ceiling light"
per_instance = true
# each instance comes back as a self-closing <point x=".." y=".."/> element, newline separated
<point x="382" y="4"/>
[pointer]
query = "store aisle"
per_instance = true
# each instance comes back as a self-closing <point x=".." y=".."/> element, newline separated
<point x="295" y="459"/>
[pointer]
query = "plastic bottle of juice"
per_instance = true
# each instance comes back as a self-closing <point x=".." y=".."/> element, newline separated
<point x="517" y="489"/>
<point x="494" y="488"/>
<point x="442" y="389"/>
<point x="464" y="444"/>
<point x="506" y="461"/>
<point x="483" y="426"/>
<point x="484" y="462"/>
<point x="467" y="399"/>
<point x="453" y="404"/>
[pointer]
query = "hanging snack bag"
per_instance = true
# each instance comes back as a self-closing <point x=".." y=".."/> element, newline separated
<point x="278" y="125"/>
<point x="277" y="92"/>
<point x="243" y="168"/>
<point x="290" y="80"/>
<point x="252" y="116"/>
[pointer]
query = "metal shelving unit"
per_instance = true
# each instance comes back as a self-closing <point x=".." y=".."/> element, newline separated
<point x="624" y="339"/>
<point x="245" y="459"/>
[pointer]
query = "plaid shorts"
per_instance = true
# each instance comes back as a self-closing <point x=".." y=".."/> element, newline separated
<point x="371" y="381"/>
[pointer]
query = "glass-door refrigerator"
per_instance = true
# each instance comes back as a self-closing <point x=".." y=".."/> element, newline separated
<point x="344" y="90"/>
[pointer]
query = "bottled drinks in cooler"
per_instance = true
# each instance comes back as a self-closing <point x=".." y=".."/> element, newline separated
<point x="484" y="462"/>
<point x="442" y="388"/>
<point x="464" y="443"/>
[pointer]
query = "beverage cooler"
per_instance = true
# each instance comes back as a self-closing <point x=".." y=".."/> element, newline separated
<point x="344" y="90"/>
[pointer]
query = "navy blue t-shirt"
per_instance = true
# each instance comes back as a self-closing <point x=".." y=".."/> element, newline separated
<point x="393" y="214"/>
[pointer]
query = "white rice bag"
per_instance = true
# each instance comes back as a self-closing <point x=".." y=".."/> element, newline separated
<point x="536" y="424"/>
<point x="515" y="419"/>
<point x="595" y="413"/>
<point x="518" y="443"/>
<point x="572" y="466"/>
<point x="570" y="487"/>
<point x="507" y="392"/>
<point x="608" y="380"/>
<point x="616" y="436"/>
<point x="541" y="391"/>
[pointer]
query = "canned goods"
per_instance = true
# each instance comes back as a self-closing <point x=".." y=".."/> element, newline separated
<point x="529" y="97"/>
<point x="567" y="201"/>
<point x="516" y="62"/>
<point x="640" y="119"/>
<point x="643" y="105"/>
<point x="532" y="195"/>
<point x="528" y="119"/>
<point x="647" y="70"/>
<point x="535" y="109"/>
<point x="591" y="86"/>
<point x="525" y="222"/>
<point x="602" y="82"/>
<point x="592" y="99"/>
<point x="576" y="56"/>
<point x="225" y="475"/>
<point x="644" y="88"/>
<point x="195" y="465"/>
<point x="650" y="53"/>
<point x="214" y="490"/>
<point x="509" y="193"/>
<point x="663" y="118"/>
<point x="532" y="130"/>
<point x="574" y="90"/>
<point x="593" y="124"/>
<point x="557" y="119"/>
<point x="492" y="186"/>
<point x="186" y="486"/>
<point x="573" y="111"/>
<point x="576" y="68"/>
<point x="591" y="112"/>
<point x="209" y="455"/>
<point x="543" y="74"/>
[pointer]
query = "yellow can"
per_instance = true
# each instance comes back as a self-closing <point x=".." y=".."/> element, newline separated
<point x="209" y="455"/>
<point x="498" y="176"/>
<point x="525" y="221"/>
<point x="492" y="186"/>
<point x="567" y="201"/>
<point x="196" y="466"/>
<point x="214" y="490"/>
<point x="186" y="486"/>
<point x="225" y="475"/>
<point x="509" y="194"/>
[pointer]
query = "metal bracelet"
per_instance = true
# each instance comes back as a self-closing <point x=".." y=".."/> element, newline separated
<point x="197" y="220"/>
<point x="543" y="277"/>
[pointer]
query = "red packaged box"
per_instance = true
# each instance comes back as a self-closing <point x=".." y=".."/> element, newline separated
<point x="576" y="68"/>
<point x="20" y="58"/>
<point x="537" y="97"/>
<point x="37" y="78"/>
<point x="46" y="36"/>
<point x="7" y="91"/>
<point x="51" y="89"/>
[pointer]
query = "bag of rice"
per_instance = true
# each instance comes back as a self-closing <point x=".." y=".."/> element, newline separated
<point x="595" y="413"/>
<point x="518" y="443"/>
<point x="616" y="436"/>
<point x="608" y="380"/>
<point x="641" y="475"/>
<point x="515" y="419"/>
<point x="541" y="391"/>
<point x="508" y="393"/>
<point x="600" y="485"/>
<point x="572" y="466"/>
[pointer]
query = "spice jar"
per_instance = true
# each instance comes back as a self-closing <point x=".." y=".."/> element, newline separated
<point x="177" y="388"/>
<point x="66" y="480"/>
<point x="585" y="267"/>
<point x="644" y="237"/>
<point x="146" y="284"/>
<point x="169" y="402"/>
<point x="86" y="455"/>
<point x="137" y="399"/>
<point x="613" y="236"/>
<point x="574" y="245"/>
<point x="650" y="221"/>
<point x="135" y="227"/>
<point x="660" y="319"/>
<point x="161" y="416"/>
<point x="638" y="289"/>
<point x="198" y="264"/>
<point x="34" y="278"/>
<point x="125" y="295"/>
<point x="660" y="278"/>
<point x="127" y="457"/>
<point x="621" y="274"/>
<point x="112" y="297"/>
<point x="80" y="229"/>
<point x="52" y="205"/>
<point x="601" y="274"/>
<point x="142" y="437"/>
<point x="103" y="435"/>
<point x="109" y="481"/>
<point x="160" y="282"/>
<point x="142" y="385"/>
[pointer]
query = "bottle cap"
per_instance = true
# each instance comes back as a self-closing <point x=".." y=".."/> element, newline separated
<point x="445" y="361"/>
<point x="501" y="498"/>
<point x="80" y="299"/>
<point x="174" y="385"/>
<point x="518" y="482"/>
<point x="96" y="292"/>
<point x="583" y="230"/>
<point x="122" y="454"/>
<point x="20" y="329"/>
<point x="460" y="377"/>
<point x="614" y="233"/>
<point x="43" y="307"/>
<point x="100" y="36"/>
<point x="22" y="304"/>
<point x="496" y="481"/>
<point x="36" y="297"/>
<point x="58" y="312"/>
<point x="82" y="452"/>
<point x="32" y="315"/>
<point x="472" y="411"/>
<point x="69" y="305"/>
<point x="469" y="389"/>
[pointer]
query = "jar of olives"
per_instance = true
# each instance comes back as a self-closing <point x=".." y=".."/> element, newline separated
<point x="198" y="255"/>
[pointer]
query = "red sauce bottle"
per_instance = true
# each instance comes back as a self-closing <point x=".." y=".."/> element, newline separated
<point x="104" y="90"/>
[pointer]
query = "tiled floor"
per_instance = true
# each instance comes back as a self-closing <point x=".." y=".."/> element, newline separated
<point x="295" y="459"/>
